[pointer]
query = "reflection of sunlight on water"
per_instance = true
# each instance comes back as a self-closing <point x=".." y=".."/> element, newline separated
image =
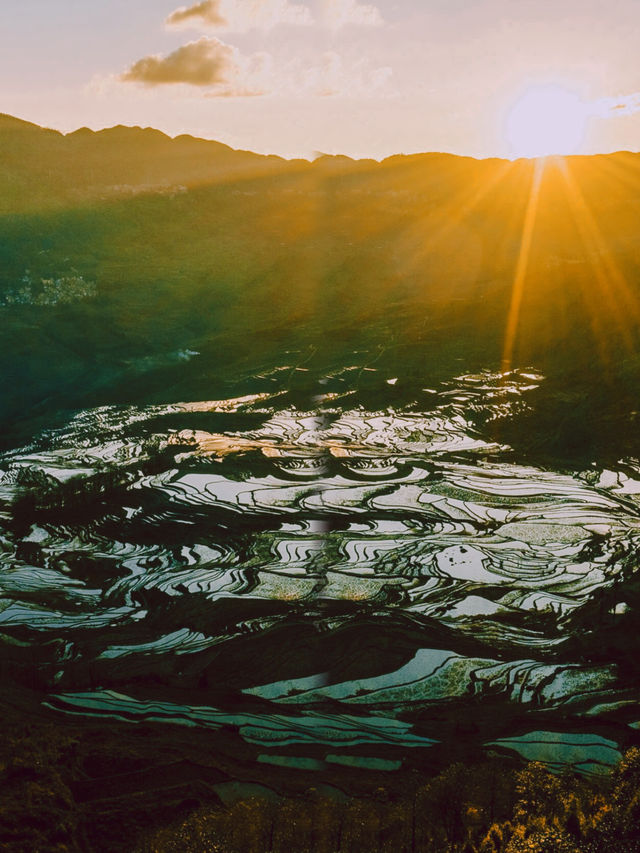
<point x="404" y="512"/>
<point x="586" y="753"/>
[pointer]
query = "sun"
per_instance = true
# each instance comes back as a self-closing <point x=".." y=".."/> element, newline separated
<point x="546" y="120"/>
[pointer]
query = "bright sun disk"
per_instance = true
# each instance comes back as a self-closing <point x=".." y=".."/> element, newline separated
<point x="546" y="120"/>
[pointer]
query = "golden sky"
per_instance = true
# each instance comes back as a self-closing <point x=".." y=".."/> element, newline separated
<point x="338" y="76"/>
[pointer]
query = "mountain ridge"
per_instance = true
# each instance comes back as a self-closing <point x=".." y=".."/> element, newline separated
<point x="45" y="169"/>
<point x="7" y="119"/>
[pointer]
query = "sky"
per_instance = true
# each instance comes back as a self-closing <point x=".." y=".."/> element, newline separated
<point x="366" y="79"/>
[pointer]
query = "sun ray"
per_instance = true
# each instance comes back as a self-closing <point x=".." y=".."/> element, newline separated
<point x="522" y="265"/>
<point x="462" y="206"/>
<point x="614" y="292"/>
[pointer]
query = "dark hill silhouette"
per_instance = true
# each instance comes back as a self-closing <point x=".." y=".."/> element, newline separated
<point x="44" y="168"/>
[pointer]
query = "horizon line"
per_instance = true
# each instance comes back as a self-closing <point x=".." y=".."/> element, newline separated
<point x="318" y="155"/>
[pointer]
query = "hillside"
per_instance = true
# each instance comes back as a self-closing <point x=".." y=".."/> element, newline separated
<point x="319" y="498"/>
<point x="185" y="245"/>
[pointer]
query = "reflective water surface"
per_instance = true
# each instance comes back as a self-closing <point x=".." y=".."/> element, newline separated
<point x="336" y="584"/>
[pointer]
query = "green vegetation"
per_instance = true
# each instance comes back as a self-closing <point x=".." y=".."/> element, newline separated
<point x="68" y="788"/>
<point x="137" y="269"/>
<point x="478" y="809"/>
<point x="188" y="245"/>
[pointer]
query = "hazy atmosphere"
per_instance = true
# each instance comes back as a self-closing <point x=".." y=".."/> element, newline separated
<point x="319" y="447"/>
<point x="338" y="76"/>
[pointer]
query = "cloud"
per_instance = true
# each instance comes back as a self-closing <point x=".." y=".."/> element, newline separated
<point x="342" y="13"/>
<point x="221" y="71"/>
<point x="207" y="62"/>
<point x="624" y="105"/>
<point x="207" y="12"/>
<point x="241" y="15"/>
<point x="331" y="76"/>
<point x="357" y="79"/>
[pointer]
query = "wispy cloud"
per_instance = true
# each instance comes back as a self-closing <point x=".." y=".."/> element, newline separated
<point x="342" y="13"/>
<point x="622" y="105"/>
<point x="332" y="76"/>
<point x="207" y="63"/>
<point x="207" y="12"/>
<point x="241" y="15"/>
<point x="221" y="71"/>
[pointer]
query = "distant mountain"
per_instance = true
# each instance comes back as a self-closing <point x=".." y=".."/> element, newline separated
<point x="42" y="167"/>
